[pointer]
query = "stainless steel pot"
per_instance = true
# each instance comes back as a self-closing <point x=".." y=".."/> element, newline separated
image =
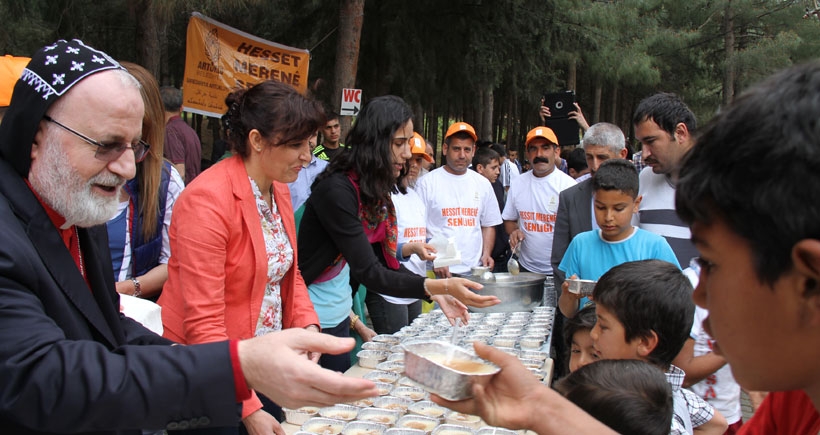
<point x="521" y="292"/>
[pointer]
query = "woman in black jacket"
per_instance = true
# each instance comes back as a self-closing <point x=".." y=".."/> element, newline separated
<point x="348" y="230"/>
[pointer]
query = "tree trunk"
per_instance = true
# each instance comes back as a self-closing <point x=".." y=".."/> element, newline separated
<point x="596" y="111"/>
<point x="147" y="35"/>
<point x="614" y="107"/>
<point x="487" y="115"/>
<point x="509" y="131"/>
<point x="472" y="111"/>
<point x="728" y="50"/>
<point x="572" y="71"/>
<point x="351" y="18"/>
<point x="164" y="77"/>
<point x="432" y="131"/>
<point x="418" y="118"/>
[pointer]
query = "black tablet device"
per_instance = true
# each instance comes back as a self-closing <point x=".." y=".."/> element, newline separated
<point x="566" y="130"/>
<point x="560" y="103"/>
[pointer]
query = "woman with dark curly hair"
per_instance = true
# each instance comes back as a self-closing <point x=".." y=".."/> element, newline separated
<point x="348" y="230"/>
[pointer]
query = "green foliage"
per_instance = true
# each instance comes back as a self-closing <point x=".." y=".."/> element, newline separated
<point x="23" y="27"/>
<point x="30" y="24"/>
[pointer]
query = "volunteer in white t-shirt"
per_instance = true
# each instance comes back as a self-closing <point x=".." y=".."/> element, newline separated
<point x="532" y="202"/>
<point x="460" y="203"/>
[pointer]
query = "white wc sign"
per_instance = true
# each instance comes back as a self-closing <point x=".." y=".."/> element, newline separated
<point x="351" y="101"/>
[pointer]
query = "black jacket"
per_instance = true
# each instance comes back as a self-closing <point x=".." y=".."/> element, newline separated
<point x="69" y="361"/>
<point x="331" y="226"/>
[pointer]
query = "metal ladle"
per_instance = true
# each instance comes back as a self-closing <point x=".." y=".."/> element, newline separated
<point x="512" y="263"/>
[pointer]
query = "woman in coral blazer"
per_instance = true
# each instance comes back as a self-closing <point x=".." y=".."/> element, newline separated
<point x="233" y="269"/>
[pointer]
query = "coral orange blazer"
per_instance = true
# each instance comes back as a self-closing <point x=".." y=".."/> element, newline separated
<point x="218" y="268"/>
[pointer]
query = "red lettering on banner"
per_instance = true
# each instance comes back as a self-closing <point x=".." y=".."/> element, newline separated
<point x="266" y="54"/>
<point x="263" y="73"/>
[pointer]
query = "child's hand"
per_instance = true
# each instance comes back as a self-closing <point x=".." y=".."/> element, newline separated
<point x="565" y="293"/>
<point x="569" y="302"/>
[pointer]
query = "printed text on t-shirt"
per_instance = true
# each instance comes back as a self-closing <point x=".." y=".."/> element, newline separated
<point x="460" y="216"/>
<point x="535" y="222"/>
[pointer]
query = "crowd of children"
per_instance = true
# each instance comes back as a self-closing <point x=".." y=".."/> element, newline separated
<point x="643" y="311"/>
<point x="757" y="276"/>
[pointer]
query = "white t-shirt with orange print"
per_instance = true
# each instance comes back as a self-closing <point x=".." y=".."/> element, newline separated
<point x="458" y="206"/>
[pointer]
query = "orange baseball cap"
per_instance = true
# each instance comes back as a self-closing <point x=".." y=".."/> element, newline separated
<point x="543" y="132"/>
<point x="419" y="146"/>
<point x="11" y="68"/>
<point x="461" y="126"/>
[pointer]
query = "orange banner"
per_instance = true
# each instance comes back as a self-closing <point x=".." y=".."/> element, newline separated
<point x="220" y="59"/>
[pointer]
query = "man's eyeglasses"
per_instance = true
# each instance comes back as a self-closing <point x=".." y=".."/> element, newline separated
<point x="111" y="151"/>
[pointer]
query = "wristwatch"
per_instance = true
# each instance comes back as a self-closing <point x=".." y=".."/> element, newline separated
<point x="137" y="291"/>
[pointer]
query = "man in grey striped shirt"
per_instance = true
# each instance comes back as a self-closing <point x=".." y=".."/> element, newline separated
<point x="664" y="125"/>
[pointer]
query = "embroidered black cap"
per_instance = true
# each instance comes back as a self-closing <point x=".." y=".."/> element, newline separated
<point x="52" y="71"/>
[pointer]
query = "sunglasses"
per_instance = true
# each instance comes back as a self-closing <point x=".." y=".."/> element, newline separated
<point x="111" y="151"/>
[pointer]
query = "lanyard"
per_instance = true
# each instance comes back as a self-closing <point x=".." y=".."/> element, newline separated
<point x="130" y="228"/>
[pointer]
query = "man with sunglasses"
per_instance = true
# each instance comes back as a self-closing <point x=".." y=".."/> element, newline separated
<point x="69" y="361"/>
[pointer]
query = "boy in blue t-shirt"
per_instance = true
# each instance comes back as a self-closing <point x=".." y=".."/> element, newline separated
<point x="593" y="253"/>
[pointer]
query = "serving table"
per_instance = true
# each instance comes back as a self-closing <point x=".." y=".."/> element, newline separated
<point x="515" y="333"/>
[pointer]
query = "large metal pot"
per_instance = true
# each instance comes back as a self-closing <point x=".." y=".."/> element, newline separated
<point x="521" y="292"/>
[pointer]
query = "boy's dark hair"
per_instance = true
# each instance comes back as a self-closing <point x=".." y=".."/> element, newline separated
<point x="755" y="168"/>
<point x="497" y="147"/>
<point x="483" y="143"/>
<point x="667" y="110"/>
<point x="577" y="160"/>
<point x="331" y="115"/>
<point x="629" y="396"/>
<point x="584" y="319"/>
<point x="616" y="174"/>
<point x="483" y="156"/>
<point x="647" y="296"/>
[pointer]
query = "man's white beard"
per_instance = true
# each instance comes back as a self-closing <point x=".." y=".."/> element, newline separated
<point x="59" y="185"/>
